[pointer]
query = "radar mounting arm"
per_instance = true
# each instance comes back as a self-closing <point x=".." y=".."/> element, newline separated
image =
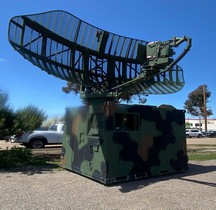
<point x="158" y="62"/>
<point x="158" y="53"/>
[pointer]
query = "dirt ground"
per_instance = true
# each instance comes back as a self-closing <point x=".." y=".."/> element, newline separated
<point x="202" y="141"/>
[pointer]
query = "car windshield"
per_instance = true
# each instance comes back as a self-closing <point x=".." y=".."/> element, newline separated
<point x="53" y="127"/>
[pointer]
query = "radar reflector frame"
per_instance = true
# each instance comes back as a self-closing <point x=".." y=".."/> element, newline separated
<point x="73" y="50"/>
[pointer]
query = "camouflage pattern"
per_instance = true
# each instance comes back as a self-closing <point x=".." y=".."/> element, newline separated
<point x="111" y="142"/>
<point x="106" y="141"/>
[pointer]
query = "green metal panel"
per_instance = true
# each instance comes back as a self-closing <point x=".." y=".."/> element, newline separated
<point x="122" y="142"/>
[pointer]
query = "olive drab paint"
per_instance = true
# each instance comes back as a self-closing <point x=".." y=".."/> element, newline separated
<point x="106" y="141"/>
<point x="111" y="142"/>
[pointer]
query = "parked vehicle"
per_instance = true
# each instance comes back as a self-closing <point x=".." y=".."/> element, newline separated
<point x="210" y="134"/>
<point x="40" y="138"/>
<point x="13" y="138"/>
<point x="194" y="133"/>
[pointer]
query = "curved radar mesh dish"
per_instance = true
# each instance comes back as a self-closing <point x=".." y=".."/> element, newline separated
<point x="73" y="50"/>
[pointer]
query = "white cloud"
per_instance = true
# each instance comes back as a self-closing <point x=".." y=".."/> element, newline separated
<point x="3" y="60"/>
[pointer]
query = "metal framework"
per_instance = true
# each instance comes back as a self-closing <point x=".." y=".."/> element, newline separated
<point x="73" y="50"/>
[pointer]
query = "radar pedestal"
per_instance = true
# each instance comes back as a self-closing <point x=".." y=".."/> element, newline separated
<point x="104" y="140"/>
<point x="91" y="98"/>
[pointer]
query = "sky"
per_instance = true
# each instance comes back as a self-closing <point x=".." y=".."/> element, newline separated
<point x="152" y="20"/>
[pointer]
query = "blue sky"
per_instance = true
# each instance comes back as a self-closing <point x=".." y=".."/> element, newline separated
<point x="148" y="20"/>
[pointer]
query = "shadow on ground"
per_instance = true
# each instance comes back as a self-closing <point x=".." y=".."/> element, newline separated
<point x="42" y="163"/>
<point x="194" y="169"/>
<point x="31" y="170"/>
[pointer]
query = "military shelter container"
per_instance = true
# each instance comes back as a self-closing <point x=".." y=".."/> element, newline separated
<point x="110" y="142"/>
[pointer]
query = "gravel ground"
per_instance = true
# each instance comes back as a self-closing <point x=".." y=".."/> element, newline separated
<point x="45" y="188"/>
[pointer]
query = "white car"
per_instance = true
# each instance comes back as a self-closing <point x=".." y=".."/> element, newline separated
<point x="194" y="133"/>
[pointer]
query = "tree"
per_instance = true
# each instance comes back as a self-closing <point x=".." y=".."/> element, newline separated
<point x="7" y="122"/>
<point x="12" y="123"/>
<point x="7" y="117"/>
<point x="46" y="124"/>
<point x="71" y="87"/>
<point x="197" y="100"/>
<point x="29" y="118"/>
<point x="3" y="100"/>
<point x="75" y="88"/>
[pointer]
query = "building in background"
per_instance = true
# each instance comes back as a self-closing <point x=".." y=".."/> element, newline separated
<point x="200" y="124"/>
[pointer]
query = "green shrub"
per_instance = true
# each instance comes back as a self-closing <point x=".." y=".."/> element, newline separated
<point x="15" y="157"/>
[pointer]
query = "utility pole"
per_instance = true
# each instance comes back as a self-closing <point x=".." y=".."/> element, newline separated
<point x="204" y="107"/>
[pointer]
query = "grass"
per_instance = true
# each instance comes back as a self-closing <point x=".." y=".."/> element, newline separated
<point x="49" y="158"/>
<point x="203" y="145"/>
<point x="202" y="153"/>
<point x="202" y="157"/>
<point x="18" y="157"/>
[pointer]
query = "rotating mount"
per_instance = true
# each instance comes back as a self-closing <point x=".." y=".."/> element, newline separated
<point x="97" y="60"/>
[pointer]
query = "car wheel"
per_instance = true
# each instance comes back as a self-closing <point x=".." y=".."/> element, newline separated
<point x="37" y="143"/>
<point x="199" y="136"/>
<point x="187" y="136"/>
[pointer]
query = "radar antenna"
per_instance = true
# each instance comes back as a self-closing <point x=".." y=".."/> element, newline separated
<point x="100" y="62"/>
